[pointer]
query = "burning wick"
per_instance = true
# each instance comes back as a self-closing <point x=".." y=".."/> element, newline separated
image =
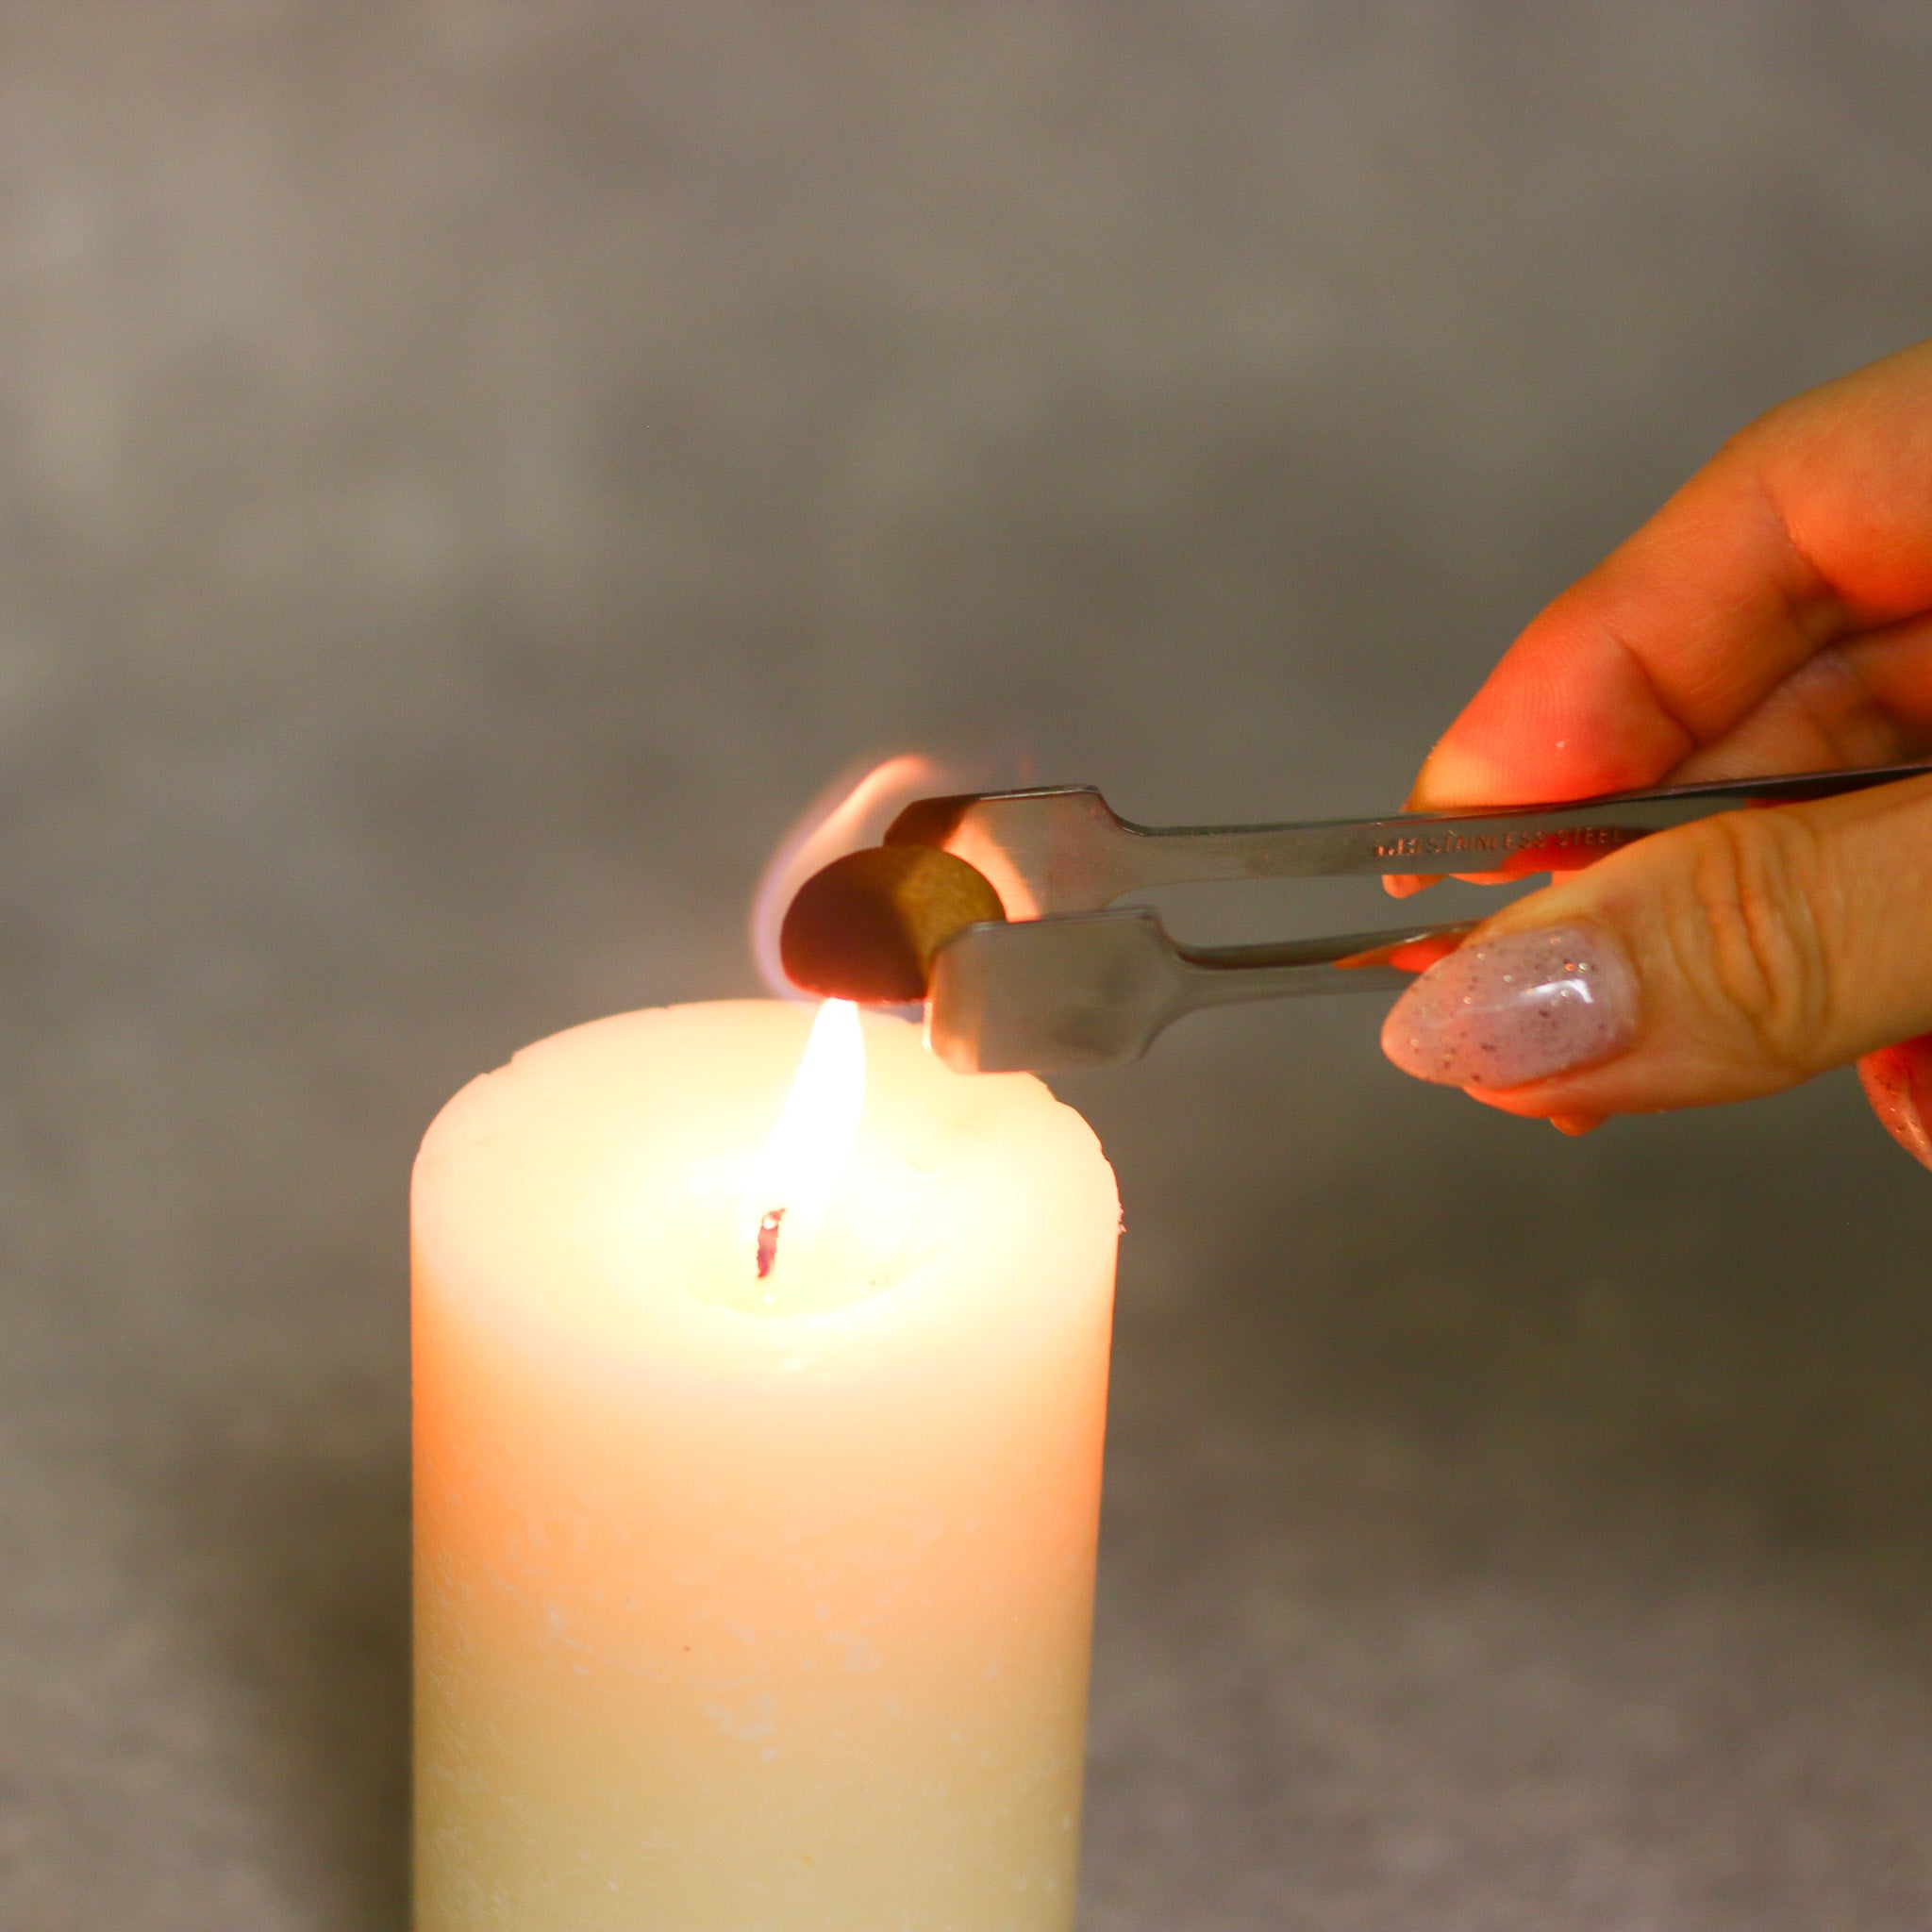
<point x="768" y="1240"/>
<point x="810" y="1140"/>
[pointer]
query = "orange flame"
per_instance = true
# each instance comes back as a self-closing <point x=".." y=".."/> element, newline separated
<point x="845" y="817"/>
<point x="810" y="1146"/>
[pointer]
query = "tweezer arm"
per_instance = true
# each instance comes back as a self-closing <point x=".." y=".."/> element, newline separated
<point x="1094" y="990"/>
<point x="1063" y="849"/>
<point x="1560" y="837"/>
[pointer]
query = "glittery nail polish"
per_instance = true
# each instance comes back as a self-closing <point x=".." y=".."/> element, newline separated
<point x="1898" y="1083"/>
<point x="1521" y="1008"/>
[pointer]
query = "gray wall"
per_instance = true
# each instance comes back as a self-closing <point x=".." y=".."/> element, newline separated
<point x="472" y="468"/>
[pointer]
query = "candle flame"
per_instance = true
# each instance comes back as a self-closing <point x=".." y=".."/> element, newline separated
<point x="812" y="1141"/>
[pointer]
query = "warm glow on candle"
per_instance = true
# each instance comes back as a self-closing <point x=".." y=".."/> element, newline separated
<point x="748" y="1603"/>
<point x="812" y="1142"/>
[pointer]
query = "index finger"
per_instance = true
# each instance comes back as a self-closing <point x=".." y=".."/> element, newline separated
<point x="1812" y="525"/>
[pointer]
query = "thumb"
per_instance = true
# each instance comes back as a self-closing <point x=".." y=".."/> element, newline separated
<point x="1719" y="962"/>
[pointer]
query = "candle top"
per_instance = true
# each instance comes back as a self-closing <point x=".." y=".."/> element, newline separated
<point x="600" y="1184"/>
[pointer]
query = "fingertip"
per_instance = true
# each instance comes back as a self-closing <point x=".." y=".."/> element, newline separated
<point x="1898" y="1084"/>
<point x="1516" y="1010"/>
<point x="1417" y="956"/>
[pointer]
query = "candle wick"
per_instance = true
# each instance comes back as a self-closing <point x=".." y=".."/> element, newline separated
<point x="768" y="1240"/>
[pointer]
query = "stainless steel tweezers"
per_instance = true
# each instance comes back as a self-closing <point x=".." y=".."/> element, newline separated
<point x="1064" y="983"/>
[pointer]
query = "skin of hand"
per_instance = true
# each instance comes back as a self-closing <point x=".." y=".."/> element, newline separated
<point x="1775" y="615"/>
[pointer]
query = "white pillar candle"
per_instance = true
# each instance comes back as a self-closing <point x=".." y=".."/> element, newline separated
<point x="754" y="1604"/>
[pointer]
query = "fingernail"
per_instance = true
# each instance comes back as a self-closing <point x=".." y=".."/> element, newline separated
<point x="1898" y="1082"/>
<point x="1507" y="1010"/>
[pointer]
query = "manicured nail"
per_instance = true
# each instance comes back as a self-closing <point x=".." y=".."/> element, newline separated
<point x="1507" y="1010"/>
<point x="1898" y="1083"/>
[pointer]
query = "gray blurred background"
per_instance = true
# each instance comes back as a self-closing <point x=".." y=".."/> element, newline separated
<point x="470" y="470"/>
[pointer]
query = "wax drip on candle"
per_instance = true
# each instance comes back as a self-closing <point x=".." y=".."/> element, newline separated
<point x="809" y="1145"/>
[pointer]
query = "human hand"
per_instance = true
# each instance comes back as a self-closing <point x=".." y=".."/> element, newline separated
<point x="1775" y="615"/>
